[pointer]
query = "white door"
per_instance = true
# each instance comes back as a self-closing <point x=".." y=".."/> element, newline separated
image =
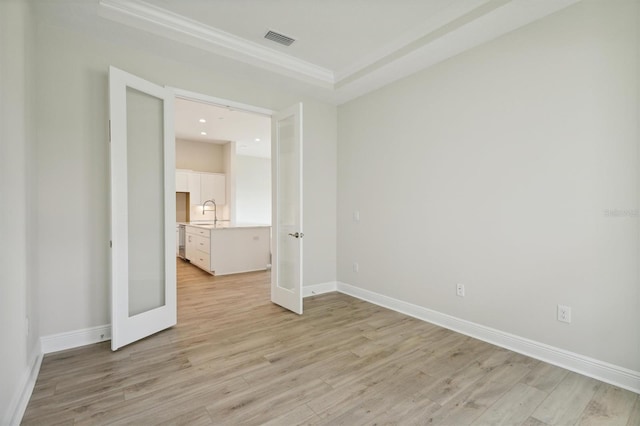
<point x="286" y="150"/>
<point x="143" y="265"/>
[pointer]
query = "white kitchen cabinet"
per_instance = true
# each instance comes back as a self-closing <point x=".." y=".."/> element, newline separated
<point x="207" y="186"/>
<point x="194" y="188"/>
<point x="202" y="186"/>
<point x="213" y="187"/>
<point x="189" y="245"/>
<point x="228" y="249"/>
<point x="236" y="250"/>
<point x="198" y="247"/>
<point x="182" y="181"/>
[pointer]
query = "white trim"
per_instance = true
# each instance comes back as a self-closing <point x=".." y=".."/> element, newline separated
<point x="25" y="388"/>
<point x="222" y="42"/>
<point x="600" y="370"/>
<point x="459" y="27"/>
<point x="316" y="289"/>
<point x="430" y="24"/>
<point x="431" y="51"/>
<point x="200" y="97"/>
<point x="75" y="338"/>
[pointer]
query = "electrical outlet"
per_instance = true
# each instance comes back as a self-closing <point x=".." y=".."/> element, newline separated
<point x="564" y="313"/>
<point x="356" y="216"/>
<point x="460" y="290"/>
<point x="356" y="267"/>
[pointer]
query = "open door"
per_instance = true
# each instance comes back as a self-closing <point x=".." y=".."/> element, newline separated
<point x="143" y="266"/>
<point x="286" y="262"/>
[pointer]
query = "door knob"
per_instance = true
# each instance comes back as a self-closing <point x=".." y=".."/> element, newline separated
<point x="297" y="235"/>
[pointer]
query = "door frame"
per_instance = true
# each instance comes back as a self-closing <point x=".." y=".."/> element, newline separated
<point x="268" y="113"/>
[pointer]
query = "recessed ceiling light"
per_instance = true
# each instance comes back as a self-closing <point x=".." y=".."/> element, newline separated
<point x="202" y="120"/>
<point x="257" y="139"/>
<point x="203" y="133"/>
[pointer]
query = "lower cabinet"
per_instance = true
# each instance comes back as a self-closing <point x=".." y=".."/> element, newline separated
<point x="229" y="250"/>
<point x="202" y="260"/>
<point x="198" y="249"/>
<point x="236" y="250"/>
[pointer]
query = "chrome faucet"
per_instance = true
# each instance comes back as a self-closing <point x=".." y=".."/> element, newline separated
<point x="215" y="210"/>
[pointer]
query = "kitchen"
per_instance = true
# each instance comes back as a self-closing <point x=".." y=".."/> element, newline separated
<point x="223" y="188"/>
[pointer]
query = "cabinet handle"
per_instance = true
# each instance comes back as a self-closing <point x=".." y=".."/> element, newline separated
<point x="297" y="235"/>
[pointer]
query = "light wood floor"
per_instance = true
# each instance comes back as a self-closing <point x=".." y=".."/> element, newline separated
<point x="235" y="358"/>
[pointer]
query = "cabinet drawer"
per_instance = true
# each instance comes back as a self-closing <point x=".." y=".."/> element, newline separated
<point x="201" y="243"/>
<point x="198" y="231"/>
<point x="201" y="260"/>
<point x="196" y="242"/>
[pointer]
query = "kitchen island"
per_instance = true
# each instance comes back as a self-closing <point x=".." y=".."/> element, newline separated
<point x="224" y="249"/>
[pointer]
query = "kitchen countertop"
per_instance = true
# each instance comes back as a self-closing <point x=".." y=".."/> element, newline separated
<point x="222" y="225"/>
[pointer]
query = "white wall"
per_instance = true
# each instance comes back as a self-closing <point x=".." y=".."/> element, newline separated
<point x="199" y="156"/>
<point x="19" y="345"/>
<point x="253" y="189"/>
<point x="496" y="169"/>
<point x="72" y="162"/>
<point x="319" y="188"/>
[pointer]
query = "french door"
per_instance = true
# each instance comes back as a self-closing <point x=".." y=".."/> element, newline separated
<point x="143" y="265"/>
<point x="287" y="231"/>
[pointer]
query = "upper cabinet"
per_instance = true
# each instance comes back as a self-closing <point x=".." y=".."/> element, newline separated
<point x="194" y="188"/>
<point x="213" y="187"/>
<point x="202" y="186"/>
<point x="182" y="181"/>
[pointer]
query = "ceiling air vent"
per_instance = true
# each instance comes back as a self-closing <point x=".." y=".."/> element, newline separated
<point x="279" y="38"/>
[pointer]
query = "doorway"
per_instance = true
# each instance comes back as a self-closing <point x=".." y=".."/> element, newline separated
<point x="215" y="138"/>
<point x="233" y="144"/>
<point x="253" y="192"/>
<point x="135" y="106"/>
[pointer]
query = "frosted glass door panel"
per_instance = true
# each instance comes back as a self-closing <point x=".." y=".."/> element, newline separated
<point x="286" y="271"/>
<point x="288" y="200"/>
<point x="145" y="170"/>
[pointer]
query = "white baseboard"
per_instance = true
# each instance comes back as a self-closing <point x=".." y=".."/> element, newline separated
<point x="316" y="289"/>
<point x="74" y="339"/>
<point x="25" y="389"/>
<point x="609" y="373"/>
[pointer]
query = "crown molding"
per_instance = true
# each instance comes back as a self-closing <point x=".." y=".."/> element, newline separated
<point x="462" y="26"/>
<point x="159" y="20"/>
<point x="431" y="24"/>
<point x="480" y="25"/>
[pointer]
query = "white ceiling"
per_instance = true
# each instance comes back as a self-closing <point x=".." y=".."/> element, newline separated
<point x="251" y="132"/>
<point x="343" y="48"/>
<point x="331" y="34"/>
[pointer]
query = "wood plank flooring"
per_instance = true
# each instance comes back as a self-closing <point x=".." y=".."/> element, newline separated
<point x="235" y="358"/>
